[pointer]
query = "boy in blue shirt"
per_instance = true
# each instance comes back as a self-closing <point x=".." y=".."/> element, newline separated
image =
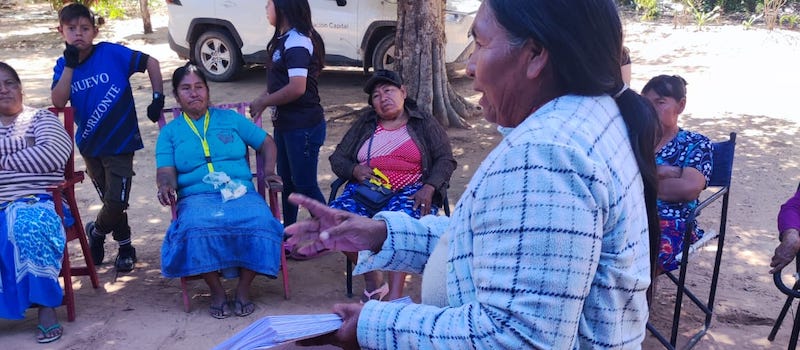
<point x="94" y="79"/>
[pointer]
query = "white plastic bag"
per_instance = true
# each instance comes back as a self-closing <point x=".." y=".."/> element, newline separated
<point x="230" y="189"/>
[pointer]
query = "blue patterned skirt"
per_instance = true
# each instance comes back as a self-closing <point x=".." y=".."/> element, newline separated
<point x="401" y="201"/>
<point x="209" y="235"/>
<point x="672" y="231"/>
<point x="32" y="242"/>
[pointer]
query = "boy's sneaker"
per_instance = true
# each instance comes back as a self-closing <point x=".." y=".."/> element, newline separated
<point x="95" y="243"/>
<point x="126" y="258"/>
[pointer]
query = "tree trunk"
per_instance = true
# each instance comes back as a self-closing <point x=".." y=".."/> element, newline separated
<point x="419" y="42"/>
<point x="148" y="25"/>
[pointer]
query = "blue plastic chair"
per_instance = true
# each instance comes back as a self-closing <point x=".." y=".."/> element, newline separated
<point x="720" y="184"/>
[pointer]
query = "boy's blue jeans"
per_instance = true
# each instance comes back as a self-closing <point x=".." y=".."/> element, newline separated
<point x="298" y="156"/>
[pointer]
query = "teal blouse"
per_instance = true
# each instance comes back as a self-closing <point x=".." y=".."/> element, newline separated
<point x="229" y="133"/>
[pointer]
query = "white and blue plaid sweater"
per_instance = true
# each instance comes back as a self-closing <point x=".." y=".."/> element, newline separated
<point x="548" y="246"/>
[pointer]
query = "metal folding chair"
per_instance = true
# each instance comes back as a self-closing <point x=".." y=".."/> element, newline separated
<point x="791" y="294"/>
<point x="65" y="191"/>
<point x="271" y="196"/>
<point x="720" y="183"/>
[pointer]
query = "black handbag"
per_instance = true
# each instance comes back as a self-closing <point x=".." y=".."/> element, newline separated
<point x="372" y="196"/>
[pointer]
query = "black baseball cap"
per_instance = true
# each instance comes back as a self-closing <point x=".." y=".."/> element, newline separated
<point x="382" y="76"/>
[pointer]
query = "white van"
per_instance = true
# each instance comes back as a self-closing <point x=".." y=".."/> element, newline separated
<point x="224" y="35"/>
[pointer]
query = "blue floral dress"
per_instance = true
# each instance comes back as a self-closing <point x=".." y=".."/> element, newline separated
<point x="401" y="201"/>
<point x="31" y="247"/>
<point x="686" y="150"/>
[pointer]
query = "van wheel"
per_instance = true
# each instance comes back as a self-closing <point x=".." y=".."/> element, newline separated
<point x="385" y="56"/>
<point x="217" y="55"/>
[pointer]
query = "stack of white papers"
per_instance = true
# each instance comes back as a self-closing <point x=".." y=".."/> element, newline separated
<point x="277" y="330"/>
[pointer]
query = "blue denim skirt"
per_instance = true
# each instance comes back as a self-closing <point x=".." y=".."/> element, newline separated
<point x="209" y="235"/>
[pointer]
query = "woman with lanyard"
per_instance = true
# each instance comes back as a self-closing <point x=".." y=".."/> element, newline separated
<point x="223" y="224"/>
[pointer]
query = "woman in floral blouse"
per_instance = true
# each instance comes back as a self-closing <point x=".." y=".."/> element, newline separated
<point x="683" y="160"/>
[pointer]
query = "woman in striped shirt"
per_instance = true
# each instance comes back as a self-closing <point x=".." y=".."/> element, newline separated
<point x="34" y="148"/>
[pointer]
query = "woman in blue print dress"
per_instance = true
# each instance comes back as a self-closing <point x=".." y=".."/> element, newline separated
<point x="34" y="148"/>
<point x="684" y="164"/>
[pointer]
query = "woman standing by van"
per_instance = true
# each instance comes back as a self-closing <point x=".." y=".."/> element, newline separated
<point x="298" y="54"/>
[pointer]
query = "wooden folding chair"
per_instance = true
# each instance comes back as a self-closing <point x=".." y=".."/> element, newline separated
<point x="65" y="191"/>
<point x="335" y="186"/>
<point x="719" y="184"/>
<point x="261" y="185"/>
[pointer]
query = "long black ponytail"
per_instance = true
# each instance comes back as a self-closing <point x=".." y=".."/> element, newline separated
<point x="585" y="39"/>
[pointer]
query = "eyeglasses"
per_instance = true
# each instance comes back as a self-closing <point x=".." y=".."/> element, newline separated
<point x="9" y="84"/>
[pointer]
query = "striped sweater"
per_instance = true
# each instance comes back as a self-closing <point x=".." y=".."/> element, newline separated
<point x="33" y="152"/>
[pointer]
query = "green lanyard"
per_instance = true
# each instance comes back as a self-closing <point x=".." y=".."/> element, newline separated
<point x="206" y="150"/>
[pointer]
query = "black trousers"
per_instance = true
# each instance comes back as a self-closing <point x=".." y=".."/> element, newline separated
<point x="112" y="177"/>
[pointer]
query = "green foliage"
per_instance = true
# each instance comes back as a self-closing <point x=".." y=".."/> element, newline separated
<point x="750" y="5"/>
<point x="700" y="15"/>
<point x="748" y="23"/>
<point x="648" y="8"/>
<point x="791" y="20"/>
<point x="734" y="6"/>
<point x="57" y="4"/>
<point x="110" y="9"/>
<point x="772" y="9"/>
<point x="106" y="8"/>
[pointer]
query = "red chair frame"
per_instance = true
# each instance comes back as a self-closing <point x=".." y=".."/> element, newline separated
<point x="261" y="185"/>
<point x="66" y="191"/>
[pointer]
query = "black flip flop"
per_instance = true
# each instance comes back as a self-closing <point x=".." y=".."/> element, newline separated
<point x="239" y="308"/>
<point x="218" y="312"/>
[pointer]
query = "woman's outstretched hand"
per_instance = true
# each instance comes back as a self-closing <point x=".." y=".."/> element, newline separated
<point x="333" y="229"/>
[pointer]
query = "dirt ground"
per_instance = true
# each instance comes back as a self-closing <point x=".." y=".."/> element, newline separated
<point x="739" y="80"/>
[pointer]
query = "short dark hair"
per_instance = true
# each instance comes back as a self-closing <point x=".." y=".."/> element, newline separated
<point x="75" y="11"/>
<point x="6" y="67"/>
<point x="667" y="86"/>
<point x="184" y="70"/>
